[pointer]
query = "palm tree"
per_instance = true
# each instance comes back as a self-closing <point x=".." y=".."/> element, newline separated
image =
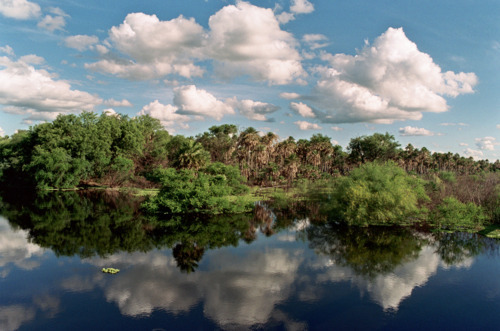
<point x="191" y="155"/>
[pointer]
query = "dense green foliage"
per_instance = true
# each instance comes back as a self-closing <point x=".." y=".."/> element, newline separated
<point x="455" y="215"/>
<point x="202" y="174"/>
<point x="102" y="223"/>
<point x="207" y="191"/>
<point x="378" y="194"/>
<point x="75" y="150"/>
<point x="88" y="149"/>
<point x="368" y="251"/>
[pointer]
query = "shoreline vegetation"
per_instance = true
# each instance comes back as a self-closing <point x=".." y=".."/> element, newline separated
<point x="225" y="171"/>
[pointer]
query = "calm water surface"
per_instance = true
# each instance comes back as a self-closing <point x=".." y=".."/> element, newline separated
<point x="287" y="270"/>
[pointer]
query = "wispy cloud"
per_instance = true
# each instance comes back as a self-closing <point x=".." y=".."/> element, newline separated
<point x="414" y="131"/>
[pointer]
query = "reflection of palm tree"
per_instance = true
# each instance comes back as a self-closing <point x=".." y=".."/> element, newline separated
<point x="265" y="217"/>
<point x="188" y="256"/>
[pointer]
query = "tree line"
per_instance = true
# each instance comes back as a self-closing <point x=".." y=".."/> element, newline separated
<point x="90" y="150"/>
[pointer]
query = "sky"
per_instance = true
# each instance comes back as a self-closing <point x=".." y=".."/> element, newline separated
<point x="424" y="71"/>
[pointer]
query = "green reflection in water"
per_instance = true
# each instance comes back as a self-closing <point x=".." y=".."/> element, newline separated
<point x="99" y="223"/>
<point x="367" y="251"/>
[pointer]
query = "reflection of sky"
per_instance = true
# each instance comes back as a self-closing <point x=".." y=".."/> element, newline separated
<point x="12" y="317"/>
<point x="236" y="287"/>
<point x="235" y="290"/>
<point x="389" y="290"/>
<point x="15" y="249"/>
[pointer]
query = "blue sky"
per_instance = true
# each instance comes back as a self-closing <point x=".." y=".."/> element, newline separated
<point x="424" y="71"/>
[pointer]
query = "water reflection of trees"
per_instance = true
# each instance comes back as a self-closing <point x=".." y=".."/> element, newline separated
<point x="80" y="223"/>
<point x="379" y="250"/>
<point x="455" y="248"/>
<point x="101" y="223"/>
<point x="368" y="251"/>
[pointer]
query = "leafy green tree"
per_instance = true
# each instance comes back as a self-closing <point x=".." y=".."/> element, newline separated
<point x="185" y="191"/>
<point x="220" y="141"/>
<point x="378" y="194"/>
<point x="452" y="214"/>
<point x="381" y="147"/>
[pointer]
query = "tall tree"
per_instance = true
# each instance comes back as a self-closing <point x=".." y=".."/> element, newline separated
<point x="381" y="147"/>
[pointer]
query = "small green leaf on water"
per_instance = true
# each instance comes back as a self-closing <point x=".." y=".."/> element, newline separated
<point x="110" y="270"/>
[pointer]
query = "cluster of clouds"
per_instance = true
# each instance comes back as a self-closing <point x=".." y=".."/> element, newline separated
<point x="388" y="80"/>
<point x="242" y="39"/>
<point x="487" y="143"/>
<point x="482" y="144"/>
<point x="54" y="18"/>
<point x="27" y="89"/>
<point x="192" y="103"/>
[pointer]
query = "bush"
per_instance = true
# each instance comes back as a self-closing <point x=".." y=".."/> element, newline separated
<point x="378" y="193"/>
<point x="448" y="176"/>
<point x="452" y="214"/>
<point x="186" y="191"/>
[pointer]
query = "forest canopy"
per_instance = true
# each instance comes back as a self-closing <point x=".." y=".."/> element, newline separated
<point x="116" y="150"/>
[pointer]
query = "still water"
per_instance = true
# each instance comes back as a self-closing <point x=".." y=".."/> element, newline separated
<point x="275" y="269"/>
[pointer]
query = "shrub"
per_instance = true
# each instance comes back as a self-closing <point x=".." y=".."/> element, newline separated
<point x="448" y="176"/>
<point x="186" y="191"/>
<point x="452" y="214"/>
<point x="378" y="193"/>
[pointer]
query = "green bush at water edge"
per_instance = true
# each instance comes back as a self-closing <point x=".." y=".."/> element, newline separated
<point x="378" y="194"/>
<point x="209" y="191"/>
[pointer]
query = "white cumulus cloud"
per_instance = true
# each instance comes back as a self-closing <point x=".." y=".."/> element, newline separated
<point x="315" y="41"/>
<point x="242" y="40"/>
<point x="302" y="109"/>
<point x="27" y="90"/>
<point x="254" y="110"/>
<point x="157" y="48"/>
<point x="7" y="50"/>
<point x="2" y="132"/>
<point x="387" y="81"/>
<point x="81" y="42"/>
<point x="32" y="59"/>
<point x="289" y="95"/>
<point x="52" y="23"/>
<point x="285" y="17"/>
<point x="304" y="125"/>
<point x="19" y="9"/>
<point x="193" y="101"/>
<point x="247" y="40"/>
<point x="301" y="7"/>
<point x="475" y="154"/>
<point x="167" y="114"/>
<point x="486" y="143"/>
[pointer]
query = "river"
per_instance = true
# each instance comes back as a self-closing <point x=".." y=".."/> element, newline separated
<point x="274" y="269"/>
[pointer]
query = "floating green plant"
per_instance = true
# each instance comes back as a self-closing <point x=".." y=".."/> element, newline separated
<point x="110" y="270"/>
